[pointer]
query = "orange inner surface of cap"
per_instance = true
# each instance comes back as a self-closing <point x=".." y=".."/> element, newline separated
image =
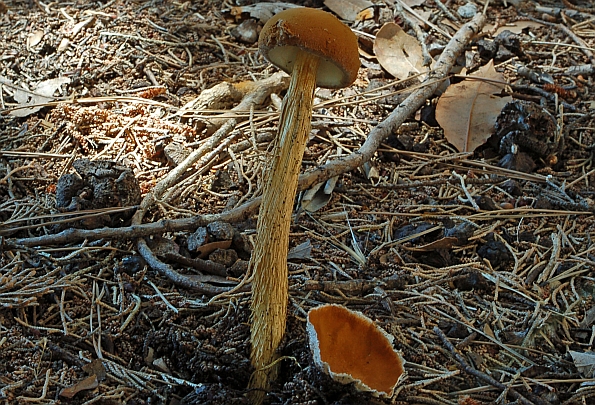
<point x="352" y="344"/>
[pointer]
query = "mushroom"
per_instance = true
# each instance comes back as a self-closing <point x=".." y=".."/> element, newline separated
<point x="351" y="348"/>
<point x="316" y="49"/>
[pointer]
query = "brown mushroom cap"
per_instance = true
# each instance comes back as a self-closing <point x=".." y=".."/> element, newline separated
<point x="317" y="32"/>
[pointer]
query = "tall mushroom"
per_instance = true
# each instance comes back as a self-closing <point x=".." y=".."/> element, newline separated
<point x="316" y="49"/>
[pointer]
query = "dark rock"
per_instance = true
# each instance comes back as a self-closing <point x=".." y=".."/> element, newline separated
<point x="512" y="187"/>
<point x="68" y="186"/>
<point x="132" y="264"/>
<point x="221" y="230"/>
<point x="96" y="185"/>
<point x="472" y="280"/>
<point x="486" y="203"/>
<point x="412" y="229"/>
<point x="487" y="49"/>
<point x="462" y="231"/>
<point x="247" y="31"/>
<point x="521" y="162"/>
<point x="222" y="181"/>
<point x="197" y="239"/>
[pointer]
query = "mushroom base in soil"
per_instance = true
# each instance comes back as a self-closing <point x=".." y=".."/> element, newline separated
<point x="316" y="49"/>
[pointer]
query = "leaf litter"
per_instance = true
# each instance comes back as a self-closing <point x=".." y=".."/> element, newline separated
<point x="467" y="111"/>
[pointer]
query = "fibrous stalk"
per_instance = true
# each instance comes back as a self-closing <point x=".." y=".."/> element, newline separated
<point x="269" y="258"/>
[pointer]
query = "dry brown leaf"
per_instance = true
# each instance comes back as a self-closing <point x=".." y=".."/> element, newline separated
<point x="347" y="9"/>
<point x="95" y="368"/>
<point x="413" y="3"/>
<point x="366" y="14"/>
<point x="398" y="52"/>
<point x="467" y="111"/>
<point x="584" y="362"/>
<point x="88" y="383"/>
<point x="41" y="94"/>
<point x="303" y="251"/>
<point x="261" y="11"/>
<point x="516" y="27"/>
<point x="208" y="248"/>
<point x="34" y="38"/>
<point x="319" y="195"/>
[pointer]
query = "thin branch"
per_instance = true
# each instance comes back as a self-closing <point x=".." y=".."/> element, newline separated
<point x="482" y="376"/>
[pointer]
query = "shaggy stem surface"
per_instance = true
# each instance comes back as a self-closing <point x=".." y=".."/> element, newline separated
<point x="269" y="258"/>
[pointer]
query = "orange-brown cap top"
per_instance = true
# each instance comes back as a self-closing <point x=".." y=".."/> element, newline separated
<point x="317" y="32"/>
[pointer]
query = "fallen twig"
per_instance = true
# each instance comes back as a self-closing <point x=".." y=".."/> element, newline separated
<point x="482" y="376"/>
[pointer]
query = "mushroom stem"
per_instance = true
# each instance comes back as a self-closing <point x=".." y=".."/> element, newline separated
<point x="269" y="258"/>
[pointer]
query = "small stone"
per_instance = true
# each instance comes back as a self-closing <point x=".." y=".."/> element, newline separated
<point x="472" y="280"/>
<point x="222" y="181"/>
<point x="468" y="10"/>
<point x="221" y="230"/>
<point x="175" y="153"/>
<point x="241" y="242"/>
<point x="68" y="186"/>
<point x="132" y="264"/>
<point x="197" y="239"/>
<point x="247" y="31"/>
<point x="512" y="187"/>
<point x="496" y="253"/>
<point x="506" y="206"/>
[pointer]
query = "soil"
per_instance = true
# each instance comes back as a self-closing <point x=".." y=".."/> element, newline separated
<point x="124" y="274"/>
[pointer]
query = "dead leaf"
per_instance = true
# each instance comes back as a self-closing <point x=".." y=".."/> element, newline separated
<point x="398" y="52"/>
<point x="96" y="368"/>
<point x="488" y="330"/>
<point x="262" y="11"/>
<point x="318" y="195"/>
<point x="366" y="14"/>
<point x="43" y="93"/>
<point x="467" y="111"/>
<point x="516" y="27"/>
<point x="584" y="362"/>
<point x="371" y="171"/>
<point x="348" y="9"/>
<point x="161" y="365"/>
<point x="205" y="250"/>
<point x="88" y="383"/>
<point x="34" y="38"/>
<point x="81" y="25"/>
<point x="303" y="251"/>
